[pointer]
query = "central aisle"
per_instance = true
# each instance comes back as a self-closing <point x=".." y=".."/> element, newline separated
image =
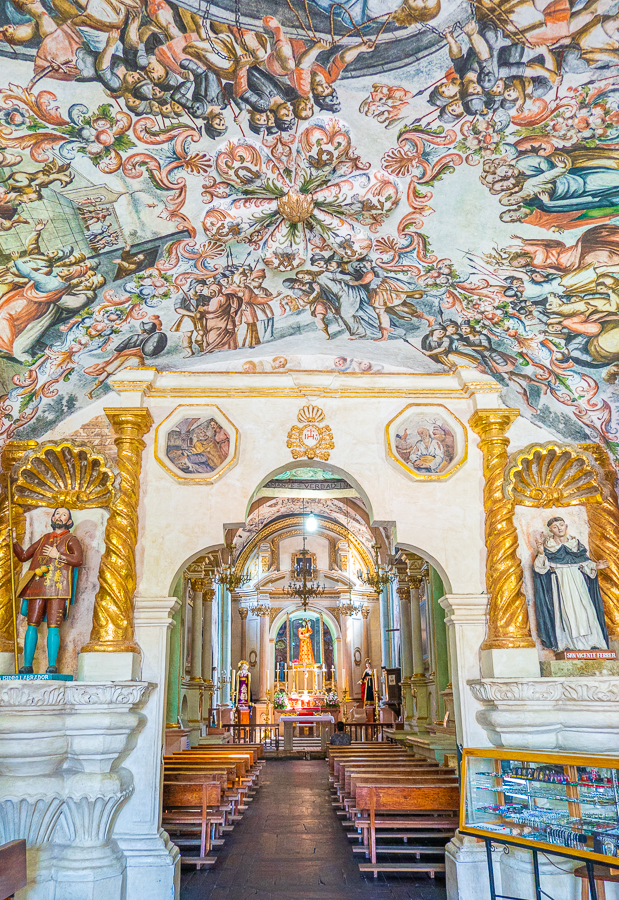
<point x="291" y="846"/>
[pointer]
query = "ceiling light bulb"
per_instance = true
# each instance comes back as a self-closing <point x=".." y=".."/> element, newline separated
<point x="312" y="522"/>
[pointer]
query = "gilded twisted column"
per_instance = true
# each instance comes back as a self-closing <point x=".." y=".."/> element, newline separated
<point x="112" y="619"/>
<point x="508" y="619"/>
<point x="11" y="454"/>
<point x="604" y="539"/>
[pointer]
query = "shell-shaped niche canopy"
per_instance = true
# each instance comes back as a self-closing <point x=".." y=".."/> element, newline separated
<point x="64" y="475"/>
<point x="549" y="475"/>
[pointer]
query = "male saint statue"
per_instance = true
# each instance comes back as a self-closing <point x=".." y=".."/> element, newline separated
<point x="48" y="588"/>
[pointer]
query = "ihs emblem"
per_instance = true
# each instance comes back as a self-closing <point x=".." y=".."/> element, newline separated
<point x="310" y="439"/>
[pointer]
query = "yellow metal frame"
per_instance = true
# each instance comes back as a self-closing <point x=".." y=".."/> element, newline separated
<point x="556" y="759"/>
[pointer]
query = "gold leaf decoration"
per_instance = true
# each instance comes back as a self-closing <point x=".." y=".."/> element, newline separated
<point x="64" y="475"/>
<point x="553" y="475"/>
<point x="310" y="440"/>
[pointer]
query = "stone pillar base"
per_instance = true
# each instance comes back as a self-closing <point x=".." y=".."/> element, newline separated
<point x="514" y="662"/>
<point x="7" y="663"/>
<point x="466" y="869"/>
<point x="153" y="865"/>
<point x="109" y="667"/>
<point x="193" y="692"/>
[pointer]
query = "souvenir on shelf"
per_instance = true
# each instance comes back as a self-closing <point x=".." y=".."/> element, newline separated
<point x="544" y="800"/>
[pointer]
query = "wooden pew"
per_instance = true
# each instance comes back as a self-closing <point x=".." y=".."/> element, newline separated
<point x="190" y="804"/>
<point x="12" y="868"/>
<point x="407" y="808"/>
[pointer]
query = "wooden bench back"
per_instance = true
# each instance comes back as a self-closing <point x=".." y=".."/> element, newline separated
<point x="242" y="763"/>
<point x="258" y="749"/>
<point x="438" y="798"/>
<point x="382" y="777"/>
<point x="237" y="766"/>
<point x="12" y="868"/>
<point x="197" y="778"/>
<point x="376" y="760"/>
<point x="377" y="773"/>
<point x="191" y="796"/>
<point x="386" y="781"/>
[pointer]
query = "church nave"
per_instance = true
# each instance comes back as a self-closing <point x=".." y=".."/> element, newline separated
<point x="291" y="846"/>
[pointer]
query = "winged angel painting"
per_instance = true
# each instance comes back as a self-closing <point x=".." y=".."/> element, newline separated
<point x="184" y="183"/>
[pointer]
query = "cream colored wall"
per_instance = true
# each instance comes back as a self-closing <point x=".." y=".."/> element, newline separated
<point x="441" y="520"/>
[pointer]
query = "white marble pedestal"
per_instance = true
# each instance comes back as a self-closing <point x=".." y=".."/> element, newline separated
<point x="62" y="782"/>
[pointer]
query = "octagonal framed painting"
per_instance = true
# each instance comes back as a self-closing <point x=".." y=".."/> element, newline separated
<point x="426" y="441"/>
<point x="196" y="443"/>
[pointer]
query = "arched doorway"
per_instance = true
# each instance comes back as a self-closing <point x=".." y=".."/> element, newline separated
<point x="312" y="515"/>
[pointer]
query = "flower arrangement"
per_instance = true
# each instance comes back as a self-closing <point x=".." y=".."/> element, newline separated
<point x="280" y="700"/>
<point x="332" y="700"/>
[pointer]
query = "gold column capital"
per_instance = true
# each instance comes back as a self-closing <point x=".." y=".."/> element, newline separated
<point x="208" y="593"/>
<point x="603" y="521"/>
<point x="112" y="619"/>
<point x="493" y="423"/>
<point x="508" y="618"/>
<point x="365" y="612"/>
<point x="131" y="422"/>
<point x="243" y="612"/>
<point x="12" y="452"/>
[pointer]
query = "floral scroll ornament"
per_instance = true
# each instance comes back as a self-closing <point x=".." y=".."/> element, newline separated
<point x="274" y="201"/>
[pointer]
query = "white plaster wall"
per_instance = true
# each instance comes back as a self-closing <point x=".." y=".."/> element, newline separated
<point x="313" y="543"/>
<point x="443" y="519"/>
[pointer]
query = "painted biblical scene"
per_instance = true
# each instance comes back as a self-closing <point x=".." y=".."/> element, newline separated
<point x="367" y="186"/>
<point x="427" y="441"/>
<point x="198" y="446"/>
<point x="561" y="580"/>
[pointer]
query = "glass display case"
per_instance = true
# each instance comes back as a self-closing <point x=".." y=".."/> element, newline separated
<point x="547" y="801"/>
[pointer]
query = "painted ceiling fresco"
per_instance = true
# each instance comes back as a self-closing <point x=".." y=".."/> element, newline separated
<point x="367" y="186"/>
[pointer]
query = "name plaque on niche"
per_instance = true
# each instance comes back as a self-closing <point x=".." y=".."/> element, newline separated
<point x="44" y="677"/>
<point x="587" y="654"/>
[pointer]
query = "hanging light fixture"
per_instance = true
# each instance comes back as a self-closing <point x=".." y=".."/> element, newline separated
<point x="311" y="523"/>
<point x="226" y="574"/>
<point x="382" y="575"/>
<point x="305" y="586"/>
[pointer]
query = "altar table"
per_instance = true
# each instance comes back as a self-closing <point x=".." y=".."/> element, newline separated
<point x="290" y="721"/>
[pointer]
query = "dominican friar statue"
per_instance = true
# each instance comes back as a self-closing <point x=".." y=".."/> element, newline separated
<point x="568" y="603"/>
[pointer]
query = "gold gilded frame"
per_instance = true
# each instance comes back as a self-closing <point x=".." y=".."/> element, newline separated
<point x="41" y="471"/>
<point x="556" y="759"/>
<point x="203" y="410"/>
<point x="557" y="485"/>
<point x="408" y="469"/>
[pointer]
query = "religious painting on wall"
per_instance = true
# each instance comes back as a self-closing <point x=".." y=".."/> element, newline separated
<point x="360" y="187"/>
<point x="426" y="441"/>
<point x="196" y="443"/>
<point x="561" y="580"/>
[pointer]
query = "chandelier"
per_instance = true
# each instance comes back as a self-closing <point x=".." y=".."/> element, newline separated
<point x="305" y="586"/>
<point x="349" y="607"/>
<point x="226" y="575"/>
<point x="260" y="609"/>
<point x="382" y="575"/>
